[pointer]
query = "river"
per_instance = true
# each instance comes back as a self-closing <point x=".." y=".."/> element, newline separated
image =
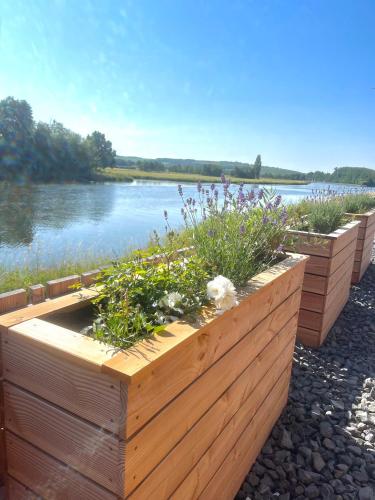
<point x="41" y="225"/>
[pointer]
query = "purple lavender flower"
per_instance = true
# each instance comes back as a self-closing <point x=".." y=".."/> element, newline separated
<point x="280" y="248"/>
<point x="199" y="186"/>
<point x="210" y="233"/>
<point x="251" y="195"/>
<point x="260" y="194"/>
<point x="180" y="192"/>
<point x="277" y="200"/>
<point x="242" y="229"/>
<point x="265" y="219"/>
<point x="216" y="194"/>
<point x="223" y="179"/>
<point x="165" y="215"/>
<point x="212" y="187"/>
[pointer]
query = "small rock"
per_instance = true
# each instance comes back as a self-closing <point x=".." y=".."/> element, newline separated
<point x="329" y="444"/>
<point x="356" y="450"/>
<point x="326" y="429"/>
<point x="312" y="491"/>
<point x="286" y="440"/>
<point x="318" y="461"/>
<point x="366" y="493"/>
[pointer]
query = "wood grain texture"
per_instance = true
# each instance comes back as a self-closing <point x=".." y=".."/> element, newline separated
<point x="169" y="378"/>
<point x="17" y="491"/>
<point x="63" y="343"/>
<point x="37" y="293"/>
<point x="89" y="394"/>
<point x="61" y="286"/>
<point x="152" y="443"/>
<point x="86" y="448"/>
<point x="246" y="390"/>
<point x="344" y="235"/>
<point x="137" y="362"/>
<point x="312" y="301"/>
<point x="12" y="300"/>
<point x="221" y="470"/>
<point x="48" y="477"/>
<point x="69" y="302"/>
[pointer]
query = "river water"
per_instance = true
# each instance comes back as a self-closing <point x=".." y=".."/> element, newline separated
<point x="41" y="225"/>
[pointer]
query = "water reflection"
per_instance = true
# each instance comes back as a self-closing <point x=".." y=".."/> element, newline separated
<point x="46" y="224"/>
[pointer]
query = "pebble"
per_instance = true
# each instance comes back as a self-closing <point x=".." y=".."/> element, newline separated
<point x="323" y="445"/>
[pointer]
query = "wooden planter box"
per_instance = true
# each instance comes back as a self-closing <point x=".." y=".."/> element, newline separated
<point x="365" y="244"/>
<point x="326" y="284"/>
<point x="180" y="416"/>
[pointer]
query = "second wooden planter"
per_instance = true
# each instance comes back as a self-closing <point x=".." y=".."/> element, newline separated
<point x="365" y="244"/>
<point x="327" y="279"/>
<point x="183" y="415"/>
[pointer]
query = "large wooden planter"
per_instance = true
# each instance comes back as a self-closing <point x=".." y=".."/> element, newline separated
<point x="365" y="244"/>
<point x="326" y="284"/>
<point x="183" y="415"/>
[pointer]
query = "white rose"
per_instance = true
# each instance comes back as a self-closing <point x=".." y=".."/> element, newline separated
<point x="223" y="292"/>
<point x="170" y="300"/>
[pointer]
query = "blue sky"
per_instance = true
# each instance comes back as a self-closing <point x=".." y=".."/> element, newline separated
<point x="216" y="79"/>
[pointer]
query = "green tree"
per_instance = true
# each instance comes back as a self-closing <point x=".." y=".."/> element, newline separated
<point x="16" y="138"/>
<point x="257" y="166"/>
<point x="100" y="150"/>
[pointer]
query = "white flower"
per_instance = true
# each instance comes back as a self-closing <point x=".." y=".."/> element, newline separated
<point x="170" y="300"/>
<point x="223" y="292"/>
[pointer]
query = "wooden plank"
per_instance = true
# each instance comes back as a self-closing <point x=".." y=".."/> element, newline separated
<point x="152" y="443"/>
<point x="343" y="283"/>
<point x="344" y="235"/>
<point x="230" y="457"/>
<point x="314" y="283"/>
<point x="365" y="231"/>
<point x="266" y="290"/>
<point x="310" y="319"/>
<point x="37" y="293"/>
<point x="334" y="312"/>
<point x="345" y="255"/>
<point x="12" y="300"/>
<point x="334" y="278"/>
<point x="90" y="277"/>
<point x="64" y="343"/>
<point x="194" y="357"/>
<point x="48" y="477"/>
<point x="87" y="448"/>
<point x="309" y="243"/>
<point x="84" y="392"/>
<point x="151" y="395"/>
<point x="307" y="337"/>
<point x="17" y="491"/>
<point x="62" y="285"/>
<point x="318" y="265"/>
<point x="67" y="303"/>
<point x="161" y="482"/>
<point x="312" y="301"/>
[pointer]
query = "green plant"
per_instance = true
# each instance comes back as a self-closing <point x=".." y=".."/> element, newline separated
<point x="357" y="203"/>
<point x="237" y="235"/>
<point x="139" y="297"/>
<point x="321" y="213"/>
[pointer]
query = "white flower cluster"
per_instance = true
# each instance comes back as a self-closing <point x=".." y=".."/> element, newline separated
<point x="223" y="292"/>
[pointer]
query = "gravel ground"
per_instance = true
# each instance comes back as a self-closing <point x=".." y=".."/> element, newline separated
<point x="323" y="445"/>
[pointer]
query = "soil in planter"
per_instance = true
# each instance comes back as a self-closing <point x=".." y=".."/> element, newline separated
<point x="77" y="321"/>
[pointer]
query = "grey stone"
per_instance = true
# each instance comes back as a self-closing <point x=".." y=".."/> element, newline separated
<point x="318" y="461"/>
<point x="329" y="444"/>
<point x="286" y="440"/>
<point x="326" y="429"/>
<point x="312" y="491"/>
<point x="366" y="493"/>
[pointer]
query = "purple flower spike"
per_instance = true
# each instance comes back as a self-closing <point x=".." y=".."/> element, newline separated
<point x="165" y="215"/>
<point x="199" y="186"/>
<point x="210" y="233"/>
<point x="216" y="194"/>
<point x="242" y="229"/>
<point x="265" y="219"/>
<point x="260" y="194"/>
<point x="277" y="200"/>
<point x="179" y="187"/>
<point x="212" y="187"/>
<point x="223" y="179"/>
<point x="280" y="248"/>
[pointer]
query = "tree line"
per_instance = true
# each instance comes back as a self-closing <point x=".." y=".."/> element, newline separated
<point x="47" y="152"/>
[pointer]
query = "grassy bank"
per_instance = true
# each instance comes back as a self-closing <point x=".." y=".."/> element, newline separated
<point x="126" y="174"/>
<point x="24" y="276"/>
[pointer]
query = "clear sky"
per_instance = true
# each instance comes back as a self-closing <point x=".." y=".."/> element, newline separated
<point x="217" y="79"/>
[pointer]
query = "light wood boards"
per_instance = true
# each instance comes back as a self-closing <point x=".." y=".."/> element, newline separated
<point x="48" y="477"/>
<point x="365" y="242"/>
<point x="119" y="425"/>
<point x="326" y="282"/>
